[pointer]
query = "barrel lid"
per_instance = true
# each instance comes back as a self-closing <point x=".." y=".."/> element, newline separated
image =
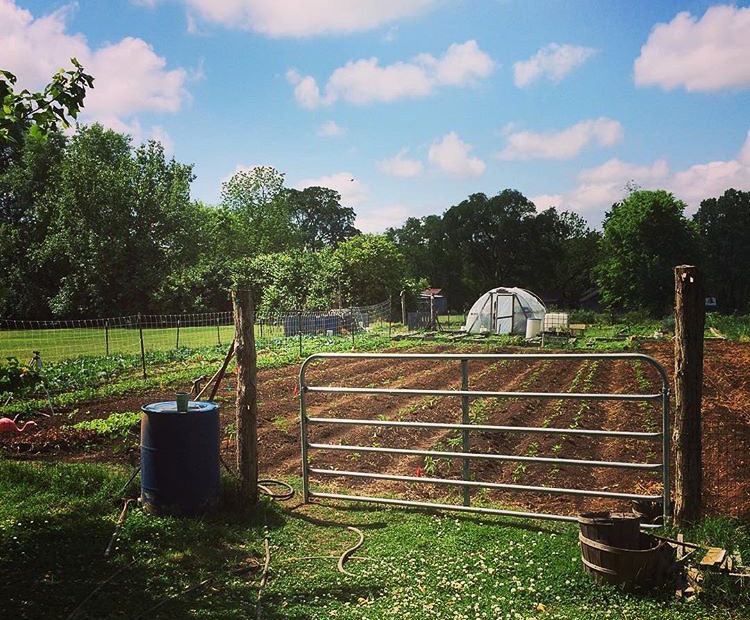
<point x="170" y="406"/>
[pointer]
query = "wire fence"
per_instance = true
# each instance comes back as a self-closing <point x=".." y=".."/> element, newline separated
<point x="137" y="334"/>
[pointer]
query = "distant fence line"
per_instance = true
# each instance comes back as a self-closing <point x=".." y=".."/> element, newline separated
<point x="62" y="339"/>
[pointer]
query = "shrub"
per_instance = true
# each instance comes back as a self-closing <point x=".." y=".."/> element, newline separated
<point x="17" y="378"/>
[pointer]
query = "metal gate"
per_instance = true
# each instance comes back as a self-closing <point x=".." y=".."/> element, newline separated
<point x="466" y="427"/>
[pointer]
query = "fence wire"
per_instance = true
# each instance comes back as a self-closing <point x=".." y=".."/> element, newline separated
<point x="59" y="340"/>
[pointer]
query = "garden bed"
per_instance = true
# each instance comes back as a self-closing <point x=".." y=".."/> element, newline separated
<point x="726" y="426"/>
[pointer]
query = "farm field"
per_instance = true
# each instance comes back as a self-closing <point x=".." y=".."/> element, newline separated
<point x="60" y="486"/>
<point x="726" y="427"/>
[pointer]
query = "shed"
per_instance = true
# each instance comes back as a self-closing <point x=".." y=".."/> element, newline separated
<point x="504" y="310"/>
<point x="438" y="299"/>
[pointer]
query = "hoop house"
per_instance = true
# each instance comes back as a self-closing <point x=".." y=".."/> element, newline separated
<point x="504" y="311"/>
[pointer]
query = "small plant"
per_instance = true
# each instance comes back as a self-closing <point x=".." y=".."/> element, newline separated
<point x="114" y="425"/>
<point x="431" y="466"/>
<point x="479" y="410"/>
<point x="519" y="471"/>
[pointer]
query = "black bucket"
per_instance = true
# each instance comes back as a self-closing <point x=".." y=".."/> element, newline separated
<point x="180" y="458"/>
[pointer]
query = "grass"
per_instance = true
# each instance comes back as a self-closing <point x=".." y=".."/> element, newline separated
<point x="74" y="342"/>
<point x="734" y="327"/>
<point x="58" y="344"/>
<point x="85" y="379"/>
<point x="56" y="521"/>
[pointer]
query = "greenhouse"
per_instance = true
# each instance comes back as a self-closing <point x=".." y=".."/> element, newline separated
<point x="504" y="311"/>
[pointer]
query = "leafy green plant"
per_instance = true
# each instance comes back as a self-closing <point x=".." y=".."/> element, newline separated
<point x="17" y="378"/>
<point x="114" y="425"/>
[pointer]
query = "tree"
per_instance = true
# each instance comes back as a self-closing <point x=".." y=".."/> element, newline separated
<point x="644" y="237"/>
<point x="41" y="112"/>
<point x="319" y="218"/>
<point x="563" y="253"/>
<point x="118" y="227"/>
<point x="25" y="214"/>
<point x="366" y="269"/>
<point x="422" y="241"/>
<point x="724" y="225"/>
<point x="488" y="238"/>
<point x="256" y="197"/>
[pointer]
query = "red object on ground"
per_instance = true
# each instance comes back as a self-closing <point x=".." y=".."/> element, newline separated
<point x="9" y="426"/>
<point x="420" y="471"/>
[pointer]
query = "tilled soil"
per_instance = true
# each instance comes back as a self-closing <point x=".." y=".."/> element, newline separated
<point x="726" y="427"/>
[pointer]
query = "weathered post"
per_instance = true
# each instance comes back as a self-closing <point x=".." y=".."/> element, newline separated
<point x="247" y="399"/>
<point x="432" y="312"/>
<point x="688" y="378"/>
<point x="403" y="307"/>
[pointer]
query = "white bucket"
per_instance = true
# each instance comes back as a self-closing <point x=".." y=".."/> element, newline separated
<point x="533" y="327"/>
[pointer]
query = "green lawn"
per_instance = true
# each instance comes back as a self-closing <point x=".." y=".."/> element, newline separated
<point x="57" y="344"/>
<point x="56" y="521"/>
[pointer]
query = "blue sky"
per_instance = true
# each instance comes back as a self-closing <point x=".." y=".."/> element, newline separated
<point x="408" y="106"/>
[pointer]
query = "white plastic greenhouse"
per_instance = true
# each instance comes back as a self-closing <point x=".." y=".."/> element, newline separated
<point x="504" y="311"/>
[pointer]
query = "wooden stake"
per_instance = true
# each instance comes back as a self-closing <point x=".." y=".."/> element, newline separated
<point x="247" y="399"/>
<point x="403" y="307"/>
<point x="218" y="375"/>
<point x="690" y="317"/>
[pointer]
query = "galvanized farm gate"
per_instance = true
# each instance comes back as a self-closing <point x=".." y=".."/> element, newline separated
<point x="466" y="427"/>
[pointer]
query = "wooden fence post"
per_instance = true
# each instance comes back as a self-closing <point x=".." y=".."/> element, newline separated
<point x="247" y="399"/>
<point x="403" y="307"/>
<point x="690" y="317"/>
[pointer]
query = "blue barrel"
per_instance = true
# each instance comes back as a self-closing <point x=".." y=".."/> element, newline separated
<point x="180" y="458"/>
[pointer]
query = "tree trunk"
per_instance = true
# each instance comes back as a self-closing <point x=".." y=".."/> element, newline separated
<point x="403" y="307"/>
<point x="688" y="371"/>
<point x="247" y="400"/>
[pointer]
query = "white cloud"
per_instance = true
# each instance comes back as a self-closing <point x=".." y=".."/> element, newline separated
<point x="330" y="129"/>
<point x="545" y="201"/>
<point x="461" y="64"/>
<point x="707" y="180"/>
<point x="604" y="185"/>
<point x="553" y="61"/>
<point x="562" y="144"/>
<point x="400" y="166"/>
<point x="129" y="77"/>
<point x="366" y="81"/>
<point x="352" y="191"/>
<point x="704" y="54"/>
<point x="292" y="18"/>
<point x="619" y="171"/>
<point x="306" y="90"/>
<point x="451" y="155"/>
<point x="376" y="220"/>
<point x="160" y="134"/>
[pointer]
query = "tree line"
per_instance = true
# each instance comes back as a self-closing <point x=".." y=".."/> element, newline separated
<point x="92" y="225"/>
<point x="502" y="240"/>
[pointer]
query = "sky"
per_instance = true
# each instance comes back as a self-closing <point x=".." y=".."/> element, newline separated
<point x="406" y="107"/>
